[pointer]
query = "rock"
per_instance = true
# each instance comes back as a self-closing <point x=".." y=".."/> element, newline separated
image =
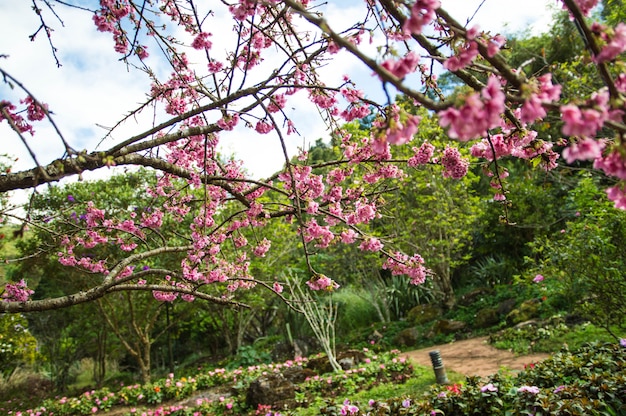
<point x="346" y="359"/>
<point x="447" y="326"/>
<point x="297" y="374"/>
<point x="506" y="306"/>
<point x="271" y="389"/>
<point x="407" y="337"/>
<point x="486" y="318"/>
<point x="422" y="314"/>
<point x="473" y="296"/>
<point x="350" y="358"/>
<point x="528" y="310"/>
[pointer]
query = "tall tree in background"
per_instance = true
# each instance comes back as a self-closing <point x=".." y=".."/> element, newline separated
<point x="274" y="55"/>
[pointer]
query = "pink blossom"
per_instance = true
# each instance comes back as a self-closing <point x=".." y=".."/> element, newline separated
<point x="402" y="67"/>
<point x="371" y="244"/>
<point x="585" y="6"/>
<point x="585" y="149"/>
<point x="348" y="236"/>
<point x="263" y="127"/>
<point x="477" y="115"/>
<point x="587" y="121"/>
<point x="615" y="46"/>
<point x="422" y="156"/>
<point x="16" y="292"/>
<point x="537" y="279"/>
<point x="322" y="282"/>
<point x="617" y="194"/>
<point x="463" y="58"/>
<point x="278" y="288"/>
<point x="228" y="122"/>
<point x="454" y="166"/>
<point x="613" y="164"/>
<point x="262" y="248"/>
<point x="201" y="41"/>
<point x="422" y="13"/>
<point x="34" y="111"/>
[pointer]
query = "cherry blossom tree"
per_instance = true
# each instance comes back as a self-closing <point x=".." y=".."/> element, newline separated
<point x="275" y="54"/>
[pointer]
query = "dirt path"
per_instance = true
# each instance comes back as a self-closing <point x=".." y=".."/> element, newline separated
<point x="474" y="357"/>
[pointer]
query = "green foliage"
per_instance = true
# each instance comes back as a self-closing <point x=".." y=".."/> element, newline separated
<point x="355" y="309"/>
<point x="584" y="264"/>
<point x="17" y="345"/>
<point x="248" y="355"/>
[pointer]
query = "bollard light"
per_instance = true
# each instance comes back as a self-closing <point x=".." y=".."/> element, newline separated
<point x="440" y="371"/>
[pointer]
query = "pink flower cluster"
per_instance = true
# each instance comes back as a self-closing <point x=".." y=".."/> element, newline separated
<point x="585" y="6"/>
<point x="402" y="67"/>
<point x="454" y="165"/>
<point x="542" y="91"/>
<point x="16" y="292"/>
<point x="402" y="264"/>
<point x="587" y="121"/>
<point x="322" y="282"/>
<point x="422" y="155"/>
<point x="615" y="42"/>
<point x="463" y="57"/>
<point x="422" y="13"/>
<point x="477" y="115"/>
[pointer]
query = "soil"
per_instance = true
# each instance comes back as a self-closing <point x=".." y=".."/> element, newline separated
<point x="474" y="357"/>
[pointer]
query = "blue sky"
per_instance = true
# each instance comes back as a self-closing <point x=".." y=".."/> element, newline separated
<point x="93" y="88"/>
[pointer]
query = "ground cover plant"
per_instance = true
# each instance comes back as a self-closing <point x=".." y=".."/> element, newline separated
<point x="588" y="381"/>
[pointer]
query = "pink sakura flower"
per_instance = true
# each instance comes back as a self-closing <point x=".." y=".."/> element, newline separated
<point x="543" y="92"/>
<point x="463" y="58"/>
<point x="617" y="194"/>
<point x="371" y="244"/>
<point x="585" y="6"/>
<point x="477" y="115"/>
<point x="402" y="264"/>
<point x="422" y="13"/>
<point x="583" y="123"/>
<point x="612" y="164"/>
<point x="263" y="247"/>
<point x="228" y="122"/>
<point x="585" y="149"/>
<point x="278" y="288"/>
<point x="403" y="133"/>
<point x="322" y="282"/>
<point x="34" y="111"/>
<point x="263" y="127"/>
<point x="454" y="166"/>
<point x="495" y="44"/>
<point x="402" y="67"/>
<point x="201" y="41"/>
<point x="615" y="46"/>
<point x="16" y="292"/>
<point x="348" y="236"/>
<point x="422" y="156"/>
<point x="215" y="66"/>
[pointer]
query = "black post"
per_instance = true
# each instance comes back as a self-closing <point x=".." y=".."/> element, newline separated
<point x="440" y="371"/>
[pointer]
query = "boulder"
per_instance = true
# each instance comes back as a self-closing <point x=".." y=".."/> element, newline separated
<point x="527" y="311"/>
<point x="446" y="327"/>
<point x="486" y="318"/>
<point x="407" y="337"/>
<point x="270" y="389"/>
<point x="506" y="306"/>
<point x="422" y="314"/>
<point x="474" y="296"/>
